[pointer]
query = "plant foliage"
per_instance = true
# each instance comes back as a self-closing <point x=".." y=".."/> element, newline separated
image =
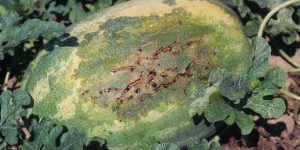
<point x="12" y="108"/>
<point x="192" y="144"/>
<point x="230" y="97"/>
<point x="12" y="33"/>
<point x="46" y="134"/>
<point x="283" y="24"/>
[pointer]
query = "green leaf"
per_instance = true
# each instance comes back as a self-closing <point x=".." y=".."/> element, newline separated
<point x="1" y="56"/>
<point x="75" y="11"/>
<point x="103" y="4"/>
<point x="234" y="88"/>
<point x="71" y="140"/>
<point x="242" y="8"/>
<point x="244" y="122"/>
<point x="3" y="145"/>
<point x="196" y="144"/>
<point x="12" y="33"/>
<point x="251" y="27"/>
<point x="267" y="108"/>
<point x="268" y="3"/>
<point x="47" y="133"/>
<point x="10" y="131"/>
<point x="218" y="110"/>
<point x="20" y="97"/>
<point x="12" y="108"/>
<point x="284" y="23"/>
<point x="10" y="19"/>
<point x="5" y="107"/>
<point x="261" y="52"/>
<point x="290" y="38"/>
<point x="40" y="130"/>
<point x="165" y="146"/>
<point x="200" y="103"/>
<point x="47" y="13"/>
<point x="274" y="79"/>
<point x="217" y="75"/>
<point x="214" y="145"/>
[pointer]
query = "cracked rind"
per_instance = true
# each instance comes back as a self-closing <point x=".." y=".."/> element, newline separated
<point x="127" y="80"/>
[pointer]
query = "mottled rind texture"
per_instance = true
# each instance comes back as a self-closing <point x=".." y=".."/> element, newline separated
<point x="130" y="78"/>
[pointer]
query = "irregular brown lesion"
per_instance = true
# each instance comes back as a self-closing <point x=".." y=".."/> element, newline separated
<point x="150" y="79"/>
<point x="187" y="72"/>
<point x="147" y="76"/>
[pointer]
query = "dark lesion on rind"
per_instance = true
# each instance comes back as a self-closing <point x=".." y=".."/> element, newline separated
<point x="148" y="75"/>
<point x="149" y="79"/>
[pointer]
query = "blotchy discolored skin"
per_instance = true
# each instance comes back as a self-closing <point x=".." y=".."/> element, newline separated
<point x="135" y="70"/>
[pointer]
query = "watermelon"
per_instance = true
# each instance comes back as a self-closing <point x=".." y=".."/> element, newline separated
<point x="128" y="73"/>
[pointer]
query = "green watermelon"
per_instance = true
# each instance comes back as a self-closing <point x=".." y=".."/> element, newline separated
<point x="131" y="75"/>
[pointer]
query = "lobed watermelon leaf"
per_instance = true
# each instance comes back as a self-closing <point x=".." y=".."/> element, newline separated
<point x="165" y="146"/>
<point x="233" y="87"/>
<point x="192" y="144"/>
<point x="12" y="108"/>
<point x="46" y="134"/>
<point x="233" y="95"/>
<point x="261" y="52"/>
<point x="196" y="144"/>
<point x="13" y="33"/>
<point x="283" y="25"/>
<point x="229" y="113"/>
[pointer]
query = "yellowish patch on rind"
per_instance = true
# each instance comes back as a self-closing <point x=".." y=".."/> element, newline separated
<point x="203" y="8"/>
<point x="116" y="126"/>
<point x="67" y="107"/>
<point x="33" y="65"/>
<point x="41" y="90"/>
<point x="68" y="67"/>
<point x="154" y="115"/>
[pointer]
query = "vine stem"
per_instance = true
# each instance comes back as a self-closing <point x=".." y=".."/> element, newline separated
<point x="5" y="80"/>
<point x="272" y="12"/>
<point x="260" y="33"/>
<point x="295" y="70"/>
<point x="289" y="59"/>
<point x="290" y="94"/>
